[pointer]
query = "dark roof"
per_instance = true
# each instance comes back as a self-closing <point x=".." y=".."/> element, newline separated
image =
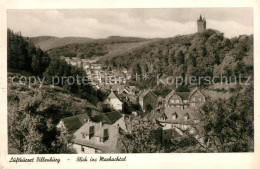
<point x="113" y="116"/>
<point x="107" y="118"/>
<point x="145" y="92"/>
<point x="101" y="118"/>
<point x="75" y="122"/>
<point x="184" y="95"/>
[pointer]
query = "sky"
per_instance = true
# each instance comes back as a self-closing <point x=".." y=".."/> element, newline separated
<point x="135" y="22"/>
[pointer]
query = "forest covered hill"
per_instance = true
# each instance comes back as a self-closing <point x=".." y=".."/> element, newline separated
<point x="200" y="54"/>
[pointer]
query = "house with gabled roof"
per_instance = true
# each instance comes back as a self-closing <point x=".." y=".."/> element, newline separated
<point x="108" y="118"/>
<point x="113" y="101"/>
<point x="131" y="90"/>
<point x="73" y="123"/>
<point x="148" y="99"/>
<point x="99" y="136"/>
<point x="183" y="100"/>
<point x="196" y="98"/>
<point x="180" y="119"/>
<point x="118" y="88"/>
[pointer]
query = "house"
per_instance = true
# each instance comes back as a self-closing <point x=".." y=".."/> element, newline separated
<point x="113" y="101"/>
<point x="183" y="100"/>
<point x="86" y="66"/>
<point x="96" y="66"/>
<point x="147" y="99"/>
<point x="73" y="63"/>
<point x="179" y="119"/>
<point x="124" y="71"/>
<point x="118" y="88"/>
<point x="99" y="136"/>
<point x="196" y="98"/>
<point x="131" y="98"/>
<point x="73" y="123"/>
<point x="130" y="90"/>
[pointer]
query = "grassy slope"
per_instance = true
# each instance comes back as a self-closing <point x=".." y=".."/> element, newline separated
<point x="53" y="42"/>
<point x="49" y="42"/>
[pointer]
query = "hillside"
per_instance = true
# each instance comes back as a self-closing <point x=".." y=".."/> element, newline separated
<point x="65" y="102"/>
<point x="23" y="56"/>
<point x="200" y="54"/>
<point x="40" y="39"/>
<point x="88" y="50"/>
<point x="50" y="42"/>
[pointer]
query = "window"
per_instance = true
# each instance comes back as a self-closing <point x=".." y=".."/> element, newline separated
<point x="186" y="116"/>
<point x="177" y="101"/>
<point x="97" y="151"/>
<point x="82" y="149"/>
<point x="172" y="126"/>
<point x="91" y="130"/>
<point x="83" y="136"/>
<point x="105" y="135"/>
<point x="172" y="101"/>
<point x="174" y="116"/>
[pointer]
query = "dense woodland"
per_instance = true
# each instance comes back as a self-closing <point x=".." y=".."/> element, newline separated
<point x="200" y="54"/>
<point x="82" y="51"/>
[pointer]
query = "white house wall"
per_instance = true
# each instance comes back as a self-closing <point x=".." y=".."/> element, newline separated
<point x="87" y="150"/>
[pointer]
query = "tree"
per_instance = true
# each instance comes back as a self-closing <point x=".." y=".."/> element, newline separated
<point x="228" y="125"/>
<point x="126" y="109"/>
<point x="144" y="137"/>
<point x="23" y="55"/>
<point x="180" y="57"/>
<point x="32" y="128"/>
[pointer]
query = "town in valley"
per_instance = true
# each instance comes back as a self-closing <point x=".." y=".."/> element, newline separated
<point x="123" y="108"/>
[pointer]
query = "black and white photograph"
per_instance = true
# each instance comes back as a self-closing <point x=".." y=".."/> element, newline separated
<point x="130" y="80"/>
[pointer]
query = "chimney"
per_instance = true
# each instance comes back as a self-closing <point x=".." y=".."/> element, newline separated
<point x="100" y="124"/>
<point x="88" y="121"/>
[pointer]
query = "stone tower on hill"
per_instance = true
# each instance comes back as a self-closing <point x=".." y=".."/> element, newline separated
<point x="201" y="24"/>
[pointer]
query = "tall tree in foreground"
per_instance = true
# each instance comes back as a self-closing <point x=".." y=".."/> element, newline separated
<point x="228" y="125"/>
<point x="32" y="128"/>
